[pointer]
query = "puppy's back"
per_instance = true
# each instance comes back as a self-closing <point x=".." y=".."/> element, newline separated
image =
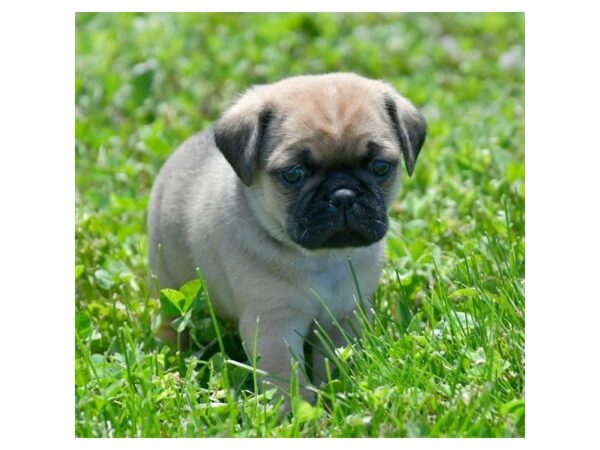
<point x="184" y="176"/>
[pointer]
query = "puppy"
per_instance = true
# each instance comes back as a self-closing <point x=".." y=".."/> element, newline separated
<point x="292" y="181"/>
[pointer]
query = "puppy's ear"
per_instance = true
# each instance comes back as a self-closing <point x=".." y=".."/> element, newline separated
<point x="239" y="134"/>
<point x="409" y="126"/>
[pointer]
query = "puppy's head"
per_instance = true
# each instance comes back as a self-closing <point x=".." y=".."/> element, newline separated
<point x="321" y="155"/>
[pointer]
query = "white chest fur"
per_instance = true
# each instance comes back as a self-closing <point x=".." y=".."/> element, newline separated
<point x="334" y="286"/>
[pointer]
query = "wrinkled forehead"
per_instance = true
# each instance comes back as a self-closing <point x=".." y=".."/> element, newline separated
<point x="333" y="135"/>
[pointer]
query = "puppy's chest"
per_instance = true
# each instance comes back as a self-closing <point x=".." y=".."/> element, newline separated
<point x="335" y="288"/>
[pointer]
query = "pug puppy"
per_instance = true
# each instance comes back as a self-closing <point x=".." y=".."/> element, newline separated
<point x="293" y="181"/>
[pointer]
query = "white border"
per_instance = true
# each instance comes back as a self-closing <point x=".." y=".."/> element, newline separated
<point x="305" y="5"/>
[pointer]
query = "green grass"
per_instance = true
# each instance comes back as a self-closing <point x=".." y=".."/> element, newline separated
<point x="445" y="354"/>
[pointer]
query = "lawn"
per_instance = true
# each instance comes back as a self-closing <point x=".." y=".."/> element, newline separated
<point x="445" y="354"/>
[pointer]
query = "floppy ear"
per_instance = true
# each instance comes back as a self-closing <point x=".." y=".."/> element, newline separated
<point x="239" y="134"/>
<point x="409" y="125"/>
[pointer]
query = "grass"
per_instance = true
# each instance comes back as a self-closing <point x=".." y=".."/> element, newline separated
<point x="445" y="354"/>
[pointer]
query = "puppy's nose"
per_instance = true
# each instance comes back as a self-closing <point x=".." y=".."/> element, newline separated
<point x="343" y="198"/>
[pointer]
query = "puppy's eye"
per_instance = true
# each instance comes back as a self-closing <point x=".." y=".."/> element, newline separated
<point x="294" y="175"/>
<point x="380" y="168"/>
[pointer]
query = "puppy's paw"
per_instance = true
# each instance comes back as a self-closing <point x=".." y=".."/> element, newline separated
<point x="290" y="403"/>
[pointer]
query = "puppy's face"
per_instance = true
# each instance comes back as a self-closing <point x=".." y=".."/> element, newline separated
<point x="322" y="155"/>
<point x="333" y="186"/>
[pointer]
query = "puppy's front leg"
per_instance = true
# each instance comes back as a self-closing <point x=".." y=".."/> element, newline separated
<point x="277" y="335"/>
<point x="338" y="335"/>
